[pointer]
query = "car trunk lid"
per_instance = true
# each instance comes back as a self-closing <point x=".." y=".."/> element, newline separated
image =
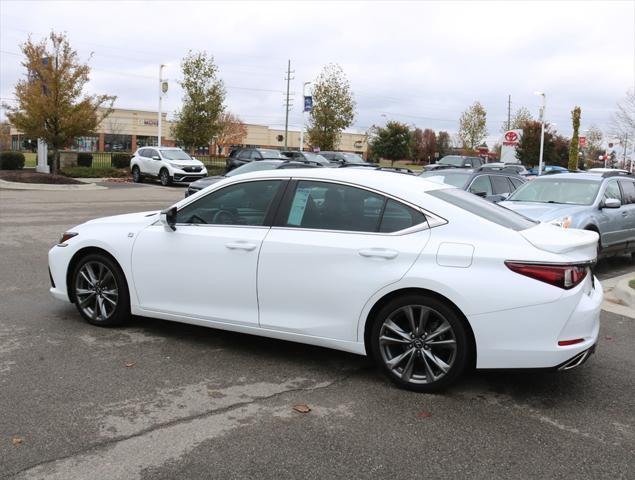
<point x="578" y="245"/>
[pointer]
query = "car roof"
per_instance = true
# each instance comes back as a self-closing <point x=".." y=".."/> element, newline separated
<point x="573" y="176"/>
<point x="370" y="178"/>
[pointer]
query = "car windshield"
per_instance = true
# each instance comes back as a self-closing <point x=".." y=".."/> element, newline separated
<point x="451" y="160"/>
<point x="456" y="179"/>
<point x="271" y="153"/>
<point x="489" y="211"/>
<point x="175" y="155"/>
<point x="571" y="191"/>
<point x="314" y="157"/>
<point x="353" y="158"/>
<point x="253" y="167"/>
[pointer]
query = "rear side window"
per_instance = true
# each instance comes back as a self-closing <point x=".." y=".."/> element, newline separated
<point x="516" y="182"/>
<point x="628" y="190"/>
<point x="398" y="216"/>
<point x="500" y="184"/>
<point x="481" y="184"/>
<point x="489" y="211"/>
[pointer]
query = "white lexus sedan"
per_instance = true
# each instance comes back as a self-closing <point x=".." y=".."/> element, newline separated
<point x="425" y="278"/>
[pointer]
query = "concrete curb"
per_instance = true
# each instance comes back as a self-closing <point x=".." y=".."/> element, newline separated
<point x="617" y="299"/>
<point x="44" y="186"/>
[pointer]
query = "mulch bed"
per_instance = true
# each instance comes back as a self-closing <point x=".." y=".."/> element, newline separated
<point x="25" y="176"/>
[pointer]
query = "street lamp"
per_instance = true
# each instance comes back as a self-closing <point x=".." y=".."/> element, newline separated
<point x="542" y="128"/>
<point x="163" y="88"/>
<point x="303" y="110"/>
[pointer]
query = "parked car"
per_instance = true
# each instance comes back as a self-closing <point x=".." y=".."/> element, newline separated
<point x="607" y="170"/>
<point x="307" y="156"/>
<point x="344" y="158"/>
<point x="516" y="168"/>
<point x="603" y="203"/>
<point x="455" y="161"/>
<point x="493" y="185"/>
<point x="247" y="155"/>
<point x="369" y="262"/>
<point x="199" y="185"/>
<point x="548" y="169"/>
<point x="168" y="164"/>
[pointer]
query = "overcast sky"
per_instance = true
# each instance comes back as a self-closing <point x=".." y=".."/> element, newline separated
<point x="421" y="63"/>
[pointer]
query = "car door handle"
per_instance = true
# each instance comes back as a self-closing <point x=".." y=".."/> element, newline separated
<point x="378" y="253"/>
<point x="241" y="246"/>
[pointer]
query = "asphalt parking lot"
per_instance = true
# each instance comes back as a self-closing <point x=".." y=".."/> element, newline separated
<point x="160" y="400"/>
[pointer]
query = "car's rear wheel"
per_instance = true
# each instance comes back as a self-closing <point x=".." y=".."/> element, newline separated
<point x="420" y="343"/>
<point x="136" y="175"/>
<point x="100" y="291"/>
<point x="164" y="177"/>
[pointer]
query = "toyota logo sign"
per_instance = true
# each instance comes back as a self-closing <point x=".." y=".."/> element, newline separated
<point x="511" y="137"/>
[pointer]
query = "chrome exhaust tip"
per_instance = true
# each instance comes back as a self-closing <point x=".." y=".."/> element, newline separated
<point x="576" y="361"/>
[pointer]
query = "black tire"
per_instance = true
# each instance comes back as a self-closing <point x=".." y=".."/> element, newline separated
<point x="93" y="292"/>
<point x="165" y="178"/>
<point x="136" y="175"/>
<point x="425" y="374"/>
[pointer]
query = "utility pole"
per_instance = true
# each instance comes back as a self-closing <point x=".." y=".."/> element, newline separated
<point x="287" y="106"/>
<point x="509" y="112"/>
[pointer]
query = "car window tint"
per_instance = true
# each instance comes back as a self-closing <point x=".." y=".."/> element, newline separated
<point x="241" y="204"/>
<point x="481" y="184"/>
<point x="255" y="155"/>
<point x="612" y="191"/>
<point x="244" y="154"/>
<point x="141" y="153"/>
<point x="489" y="211"/>
<point x="398" y="216"/>
<point x="516" y="182"/>
<point x="500" y="185"/>
<point x="330" y="206"/>
<point x="628" y="189"/>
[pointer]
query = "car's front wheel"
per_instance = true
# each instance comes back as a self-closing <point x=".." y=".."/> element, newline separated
<point x="164" y="177"/>
<point x="136" y="174"/>
<point x="420" y="343"/>
<point x="100" y="291"/>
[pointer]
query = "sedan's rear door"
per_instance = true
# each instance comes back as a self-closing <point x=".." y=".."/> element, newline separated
<point x="331" y="248"/>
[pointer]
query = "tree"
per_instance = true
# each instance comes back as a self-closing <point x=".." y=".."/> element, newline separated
<point x="198" y="121"/>
<point x="473" y="126"/>
<point x="392" y="141"/>
<point x="623" y="120"/>
<point x="333" y="108"/>
<point x="593" y="150"/>
<point x="50" y="103"/>
<point x="423" y="145"/>
<point x="561" y="146"/>
<point x="232" y="130"/>
<point x="5" y="136"/>
<point x="575" y="140"/>
<point x="518" y="120"/>
<point x="528" y="149"/>
<point x="443" y="144"/>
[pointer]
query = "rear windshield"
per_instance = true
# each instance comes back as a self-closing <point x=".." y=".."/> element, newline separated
<point x="489" y="211"/>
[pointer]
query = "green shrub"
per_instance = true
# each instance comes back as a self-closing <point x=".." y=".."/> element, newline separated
<point x="84" y="159"/>
<point x="11" y="161"/>
<point x="120" y="160"/>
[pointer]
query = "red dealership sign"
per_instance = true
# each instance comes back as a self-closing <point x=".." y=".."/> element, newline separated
<point x="511" y="138"/>
<point x="582" y="142"/>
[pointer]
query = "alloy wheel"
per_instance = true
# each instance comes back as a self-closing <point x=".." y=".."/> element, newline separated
<point x="96" y="291"/>
<point x="136" y="176"/>
<point x="417" y="344"/>
<point x="165" y="178"/>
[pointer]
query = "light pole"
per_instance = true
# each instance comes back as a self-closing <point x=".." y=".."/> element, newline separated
<point x="161" y="92"/>
<point x="542" y="129"/>
<point x="303" y="110"/>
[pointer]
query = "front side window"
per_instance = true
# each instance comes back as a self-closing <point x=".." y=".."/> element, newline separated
<point x="613" y="191"/>
<point x="330" y="206"/>
<point x="500" y="185"/>
<point x="481" y="184"/>
<point x="628" y="187"/>
<point x="241" y="204"/>
<point x="245" y="154"/>
<point x="175" y="155"/>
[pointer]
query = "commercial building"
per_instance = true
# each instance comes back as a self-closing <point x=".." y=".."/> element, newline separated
<point x="126" y="130"/>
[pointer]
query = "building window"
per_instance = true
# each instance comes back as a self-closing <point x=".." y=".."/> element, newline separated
<point x="146" y="141"/>
<point x="86" y="144"/>
<point x="117" y="143"/>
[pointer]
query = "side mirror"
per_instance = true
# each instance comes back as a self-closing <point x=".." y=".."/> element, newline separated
<point x="168" y="218"/>
<point x="156" y="157"/>
<point x="611" y="203"/>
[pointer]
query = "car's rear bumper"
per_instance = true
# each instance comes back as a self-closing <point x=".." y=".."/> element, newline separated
<point x="528" y="337"/>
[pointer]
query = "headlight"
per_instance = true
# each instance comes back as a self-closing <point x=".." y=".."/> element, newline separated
<point x="564" y="222"/>
<point x="67" y="236"/>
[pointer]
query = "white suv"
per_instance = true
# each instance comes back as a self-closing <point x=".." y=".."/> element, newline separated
<point x="168" y="164"/>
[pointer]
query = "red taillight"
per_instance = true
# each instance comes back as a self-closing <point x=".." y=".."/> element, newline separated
<point x="563" y="276"/>
<point x="564" y="343"/>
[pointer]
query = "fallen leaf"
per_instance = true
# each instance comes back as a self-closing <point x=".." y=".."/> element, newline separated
<point x="131" y="364"/>
<point x="608" y="338"/>
<point x="424" y="414"/>
<point x="17" y="440"/>
<point x="302" y="408"/>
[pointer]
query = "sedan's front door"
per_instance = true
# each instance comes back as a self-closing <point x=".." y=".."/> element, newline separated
<point x="334" y="247"/>
<point x="206" y="268"/>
